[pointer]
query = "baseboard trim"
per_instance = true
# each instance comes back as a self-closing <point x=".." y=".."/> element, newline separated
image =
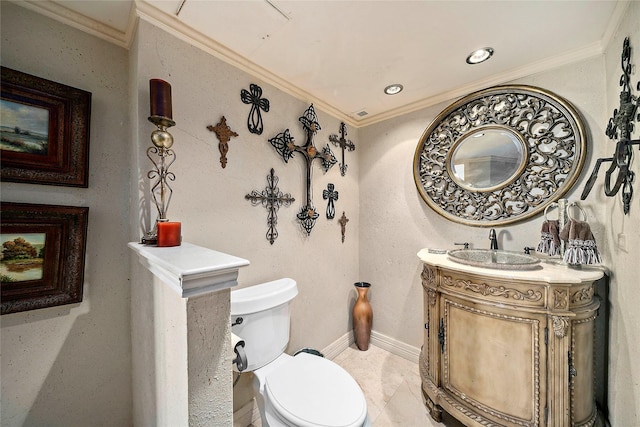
<point x="396" y="347"/>
<point x="382" y="341"/>
<point x="338" y="346"/>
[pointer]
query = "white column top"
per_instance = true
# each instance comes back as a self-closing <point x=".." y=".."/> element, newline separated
<point x="190" y="270"/>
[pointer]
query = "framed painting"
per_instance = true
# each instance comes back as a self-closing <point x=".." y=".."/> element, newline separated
<point x="42" y="258"/>
<point x="44" y="131"/>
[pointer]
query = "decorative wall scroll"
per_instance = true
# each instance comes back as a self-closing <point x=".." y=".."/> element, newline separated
<point x="620" y="127"/>
<point x="330" y="194"/>
<point x="45" y="131"/>
<point x="43" y="251"/>
<point x="344" y="144"/>
<point x="271" y="198"/>
<point x="284" y="145"/>
<point x="254" y="97"/>
<point x="224" y="134"/>
<point x="544" y="131"/>
<point x="343" y="224"/>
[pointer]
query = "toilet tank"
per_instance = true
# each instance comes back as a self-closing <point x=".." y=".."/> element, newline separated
<point x="264" y="310"/>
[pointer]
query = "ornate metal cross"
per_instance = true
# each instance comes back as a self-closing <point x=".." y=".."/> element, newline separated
<point x="284" y="145"/>
<point x="330" y="194"/>
<point x="342" y="143"/>
<point x="271" y="198"/>
<point x="254" y="121"/>
<point x="224" y="134"/>
<point x="343" y="224"/>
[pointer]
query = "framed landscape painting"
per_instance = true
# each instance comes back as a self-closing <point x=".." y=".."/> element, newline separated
<point x="42" y="258"/>
<point x="44" y="131"/>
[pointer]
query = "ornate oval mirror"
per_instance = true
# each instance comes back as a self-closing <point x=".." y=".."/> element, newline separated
<point x="500" y="155"/>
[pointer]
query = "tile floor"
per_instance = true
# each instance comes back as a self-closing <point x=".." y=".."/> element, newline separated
<point x="391" y="385"/>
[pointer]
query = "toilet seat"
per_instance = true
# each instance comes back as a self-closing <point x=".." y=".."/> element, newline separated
<point x="310" y="391"/>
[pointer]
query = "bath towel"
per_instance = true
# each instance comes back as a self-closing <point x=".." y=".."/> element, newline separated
<point x="549" y="239"/>
<point x="581" y="246"/>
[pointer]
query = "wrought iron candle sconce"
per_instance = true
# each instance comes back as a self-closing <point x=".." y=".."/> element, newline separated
<point x="160" y="153"/>
<point x="344" y="144"/>
<point x="224" y="134"/>
<point x="254" y="97"/>
<point x="620" y="127"/>
<point x="285" y="146"/>
<point x="271" y="198"/>
<point x="331" y="195"/>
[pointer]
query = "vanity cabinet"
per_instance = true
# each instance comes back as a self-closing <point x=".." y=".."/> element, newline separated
<point x="509" y="348"/>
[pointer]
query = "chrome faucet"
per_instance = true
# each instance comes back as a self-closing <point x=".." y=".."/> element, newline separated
<point x="494" y="240"/>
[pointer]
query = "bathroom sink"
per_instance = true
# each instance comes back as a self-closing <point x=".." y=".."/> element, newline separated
<point x="491" y="258"/>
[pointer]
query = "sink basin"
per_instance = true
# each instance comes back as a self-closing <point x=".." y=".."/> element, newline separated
<point x="490" y="258"/>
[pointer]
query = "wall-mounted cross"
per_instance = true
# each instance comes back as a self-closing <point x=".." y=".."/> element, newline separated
<point x="271" y="198"/>
<point x="284" y="145"/>
<point x="330" y="194"/>
<point x="342" y="143"/>
<point x="224" y="134"/>
<point x="343" y="224"/>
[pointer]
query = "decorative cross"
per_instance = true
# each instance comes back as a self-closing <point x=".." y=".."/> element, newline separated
<point x="331" y="195"/>
<point x="271" y="198"/>
<point x="224" y="134"/>
<point x="284" y="145"/>
<point x="344" y="144"/>
<point x="254" y="121"/>
<point x="343" y="223"/>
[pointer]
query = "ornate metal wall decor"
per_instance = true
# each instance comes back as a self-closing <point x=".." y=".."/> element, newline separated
<point x="224" y="134"/>
<point x="330" y="194"/>
<point x="546" y="130"/>
<point x="620" y="127"/>
<point x="343" y="144"/>
<point x="285" y="146"/>
<point x="343" y="224"/>
<point x="254" y="97"/>
<point x="271" y="198"/>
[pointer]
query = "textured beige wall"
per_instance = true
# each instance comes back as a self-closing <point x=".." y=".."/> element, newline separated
<point x="70" y="365"/>
<point x="209" y="200"/>
<point x="624" y="343"/>
<point x="404" y="223"/>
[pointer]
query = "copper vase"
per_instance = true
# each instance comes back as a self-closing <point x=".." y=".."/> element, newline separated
<point x="362" y="316"/>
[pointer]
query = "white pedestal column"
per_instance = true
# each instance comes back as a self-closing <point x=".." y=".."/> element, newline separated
<point x="180" y="331"/>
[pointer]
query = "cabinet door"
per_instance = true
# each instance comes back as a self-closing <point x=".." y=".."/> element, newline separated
<point x="431" y="348"/>
<point x="493" y="362"/>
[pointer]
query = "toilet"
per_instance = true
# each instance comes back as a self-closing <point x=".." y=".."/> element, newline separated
<point x="304" y="390"/>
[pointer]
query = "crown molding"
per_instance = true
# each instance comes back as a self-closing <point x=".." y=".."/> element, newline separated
<point x="81" y="22"/>
<point x="590" y="51"/>
<point x="143" y="10"/>
<point x="175" y="27"/>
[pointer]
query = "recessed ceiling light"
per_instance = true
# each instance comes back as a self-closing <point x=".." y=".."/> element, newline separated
<point x="480" y="55"/>
<point x="393" y="89"/>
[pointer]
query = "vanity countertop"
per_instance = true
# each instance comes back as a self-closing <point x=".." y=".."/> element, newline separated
<point x="550" y="271"/>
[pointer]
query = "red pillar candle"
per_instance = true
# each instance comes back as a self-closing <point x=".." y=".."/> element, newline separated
<point x="160" y="98"/>
<point x="169" y="233"/>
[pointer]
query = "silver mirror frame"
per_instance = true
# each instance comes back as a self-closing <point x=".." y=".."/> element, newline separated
<point x="554" y="136"/>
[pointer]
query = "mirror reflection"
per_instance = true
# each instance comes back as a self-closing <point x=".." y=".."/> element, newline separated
<point x="487" y="159"/>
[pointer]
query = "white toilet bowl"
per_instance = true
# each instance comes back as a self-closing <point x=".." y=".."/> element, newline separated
<point x="291" y="391"/>
<point x="309" y="391"/>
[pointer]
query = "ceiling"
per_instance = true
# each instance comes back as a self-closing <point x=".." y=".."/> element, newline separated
<point x="340" y="55"/>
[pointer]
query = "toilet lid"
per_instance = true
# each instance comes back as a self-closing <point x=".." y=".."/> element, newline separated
<point x="312" y="391"/>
